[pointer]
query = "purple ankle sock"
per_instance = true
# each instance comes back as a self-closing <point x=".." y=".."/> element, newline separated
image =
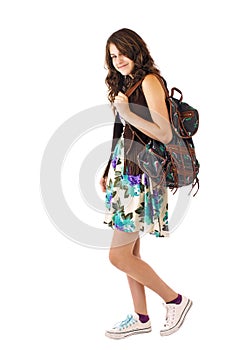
<point x="176" y="300"/>
<point x="143" y="318"/>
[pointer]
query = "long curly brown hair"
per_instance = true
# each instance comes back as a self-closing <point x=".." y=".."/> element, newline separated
<point x="131" y="45"/>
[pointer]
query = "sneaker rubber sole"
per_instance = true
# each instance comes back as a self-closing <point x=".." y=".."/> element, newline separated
<point x="122" y="335"/>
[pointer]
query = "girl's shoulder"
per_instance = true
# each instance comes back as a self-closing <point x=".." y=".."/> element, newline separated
<point x="153" y="82"/>
<point x="151" y="79"/>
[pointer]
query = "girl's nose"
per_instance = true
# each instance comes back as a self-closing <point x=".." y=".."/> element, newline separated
<point x="119" y="59"/>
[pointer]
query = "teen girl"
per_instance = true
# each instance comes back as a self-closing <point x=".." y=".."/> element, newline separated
<point x="135" y="204"/>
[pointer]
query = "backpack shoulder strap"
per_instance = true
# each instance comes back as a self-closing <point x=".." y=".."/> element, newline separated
<point x="133" y="88"/>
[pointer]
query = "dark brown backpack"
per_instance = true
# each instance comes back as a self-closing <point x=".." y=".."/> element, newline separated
<point x="174" y="164"/>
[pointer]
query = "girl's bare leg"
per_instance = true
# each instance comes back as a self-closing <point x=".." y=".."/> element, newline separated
<point x="121" y="255"/>
<point x="137" y="289"/>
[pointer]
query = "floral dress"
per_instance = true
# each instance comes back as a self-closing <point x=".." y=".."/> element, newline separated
<point x="134" y="203"/>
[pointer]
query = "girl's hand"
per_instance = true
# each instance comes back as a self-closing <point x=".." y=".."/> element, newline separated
<point x="122" y="104"/>
<point x="103" y="182"/>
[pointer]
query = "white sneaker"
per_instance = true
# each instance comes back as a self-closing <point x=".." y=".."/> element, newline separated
<point x="175" y="316"/>
<point x="131" y="325"/>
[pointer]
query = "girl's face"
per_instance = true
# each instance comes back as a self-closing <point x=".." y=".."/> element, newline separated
<point x="121" y="63"/>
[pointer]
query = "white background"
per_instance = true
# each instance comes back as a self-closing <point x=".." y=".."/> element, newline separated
<point x="56" y="294"/>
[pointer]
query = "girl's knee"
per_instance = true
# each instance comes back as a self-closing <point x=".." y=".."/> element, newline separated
<point x="122" y="248"/>
<point x="114" y="257"/>
<point x="118" y="259"/>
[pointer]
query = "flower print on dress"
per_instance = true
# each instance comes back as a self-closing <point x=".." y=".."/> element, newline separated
<point x="158" y="199"/>
<point x="149" y="210"/>
<point x="110" y="193"/>
<point x="123" y="222"/>
<point x="130" y="185"/>
<point x="134" y="179"/>
<point x="165" y="220"/>
<point x="134" y="202"/>
<point x="115" y="156"/>
<point x="146" y="180"/>
<point x="114" y="162"/>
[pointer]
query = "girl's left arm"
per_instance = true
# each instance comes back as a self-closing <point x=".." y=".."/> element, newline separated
<point x="160" y="128"/>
